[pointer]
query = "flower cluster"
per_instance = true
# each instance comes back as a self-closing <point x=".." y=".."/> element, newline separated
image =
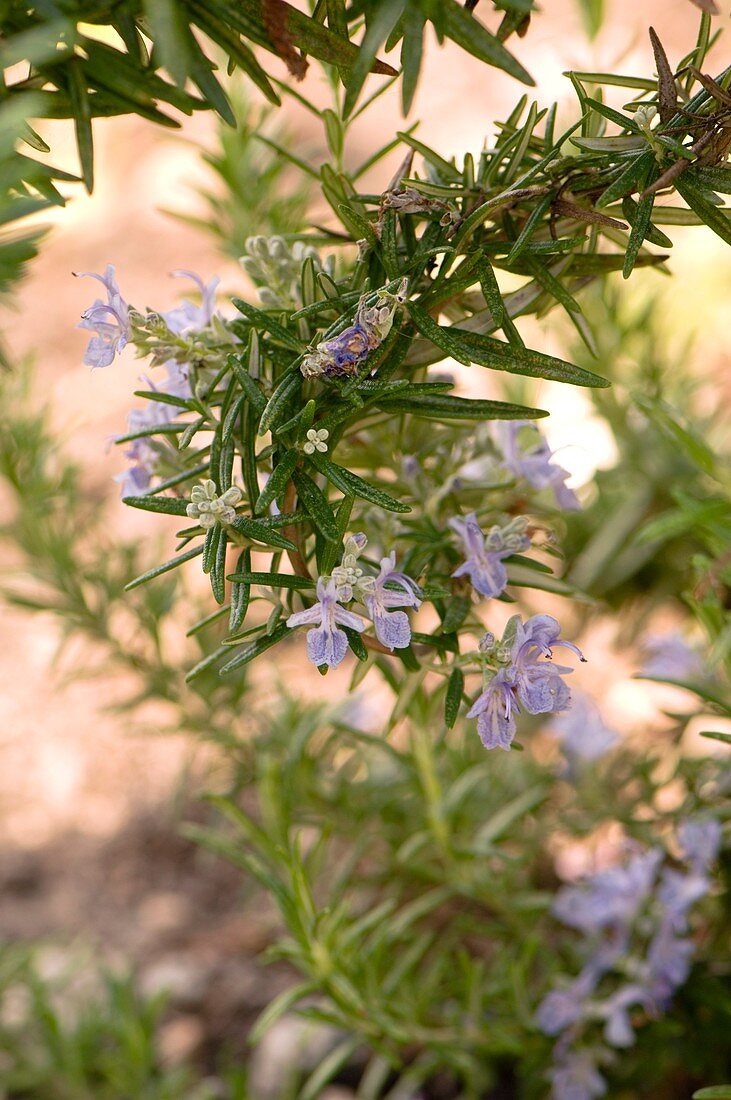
<point x="515" y="676"/>
<point x="111" y="324"/>
<point x="484" y="554"/>
<point x="343" y="353"/>
<point x="276" y="269"/>
<point x="634" y="918"/>
<point x="383" y="597"/>
<point x="209" y="507"/>
<point x="534" y="463"/>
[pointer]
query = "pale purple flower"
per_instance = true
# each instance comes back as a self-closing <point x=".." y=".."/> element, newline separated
<point x="668" y="963"/>
<point x="495" y="709"/>
<point x="618" y="1030"/>
<point x="389" y="590"/>
<point x="611" y="898"/>
<point x="678" y="892"/>
<point x="109" y="320"/>
<point x="535" y="464"/>
<point x="527" y="681"/>
<point x="484" y="553"/>
<point x="575" y="1077"/>
<point x="669" y="657"/>
<point x="561" y="1008"/>
<point x="538" y="683"/>
<point x="136" y="480"/>
<point x="326" y="643"/>
<point x="582" y="732"/>
<point x="189" y="317"/>
<point x="700" y="840"/>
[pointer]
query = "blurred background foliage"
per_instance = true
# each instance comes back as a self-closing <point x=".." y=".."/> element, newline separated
<point x="395" y="843"/>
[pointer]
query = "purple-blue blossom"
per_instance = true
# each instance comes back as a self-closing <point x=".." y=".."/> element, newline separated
<point x="326" y="643"/>
<point x="382" y="595"/>
<point x="582" y="731"/>
<point x="189" y="317"/>
<point x="484" y="553"/>
<point x="575" y="1077"/>
<point x="108" y="320"/>
<point x="700" y="840"/>
<point x="534" y="464"/>
<point x="528" y="679"/>
<point x="610" y="898"/>
<point x="341" y="354"/>
<point x="669" y="657"/>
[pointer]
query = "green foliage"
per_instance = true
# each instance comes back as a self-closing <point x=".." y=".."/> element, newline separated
<point x="89" y="1037"/>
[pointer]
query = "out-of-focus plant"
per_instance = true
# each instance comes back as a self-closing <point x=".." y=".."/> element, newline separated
<point x="70" y="1029"/>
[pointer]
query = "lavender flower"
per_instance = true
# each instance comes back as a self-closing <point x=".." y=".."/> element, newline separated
<point x="700" y="840"/>
<point x="343" y="353"/>
<point x="582" y="732"/>
<point x="144" y="457"/>
<point x="561" y="1008"/>
<point x="109" y="320"/>
<point x="390" y="589"/>
<point x="495" y="709"/>
<point x="189" y="317"/>
<point x="611" y="898"/>
<point x="484" y="553"/>
<point x="575" y="1077"/>
<point x="534" y="464"/>
<point x="523" y="680"/>
<point x="669" y="657"/>
<point x="326" y="643"/>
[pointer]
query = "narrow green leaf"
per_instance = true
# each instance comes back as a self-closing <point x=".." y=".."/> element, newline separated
<point x="316" y="505"/>
<point x="79" y="99"/>
<point x="272" y="580"/>
<point x="687" y="187"/>
<point x="213" y="534"/>
<point x="261" y="532"/>
<point x="264" y="323"/>
<point x="446" y="407"/>
<point x="278" y="479"/>
<point x="255" y="649"/>
<point x="165" y="568"/>
<point x="277" y="405"/>
<point x="352" y="485"/>
<point x="218" y="569"/>
<point x="171" y="506"/>
<point x="453" y="697"/>
<point x="640" y="226"/>
<point x="467" y="31"/>
<point x="240" y="592"/>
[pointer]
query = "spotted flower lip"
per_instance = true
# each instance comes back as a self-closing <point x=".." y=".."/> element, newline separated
<point x="108" y="320"/>
<point x="484" y="553"/>
<point x="327" y="644"/>
<point x="392" y="626"/>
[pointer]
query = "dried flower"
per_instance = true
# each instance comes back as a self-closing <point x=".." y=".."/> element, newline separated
<point x="342" y="354"/>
